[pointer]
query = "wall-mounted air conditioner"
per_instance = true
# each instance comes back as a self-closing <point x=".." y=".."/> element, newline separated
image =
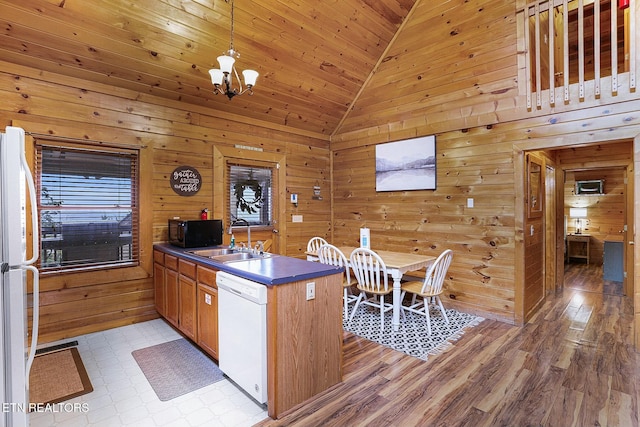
<point x="590" y="187"/>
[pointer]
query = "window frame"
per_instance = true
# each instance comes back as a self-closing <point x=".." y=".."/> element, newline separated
<point x="237" y="213"/>
<point x="221" y="154"/>
<point x="135" y="262"/>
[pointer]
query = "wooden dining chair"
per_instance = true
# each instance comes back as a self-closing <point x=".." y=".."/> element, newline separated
<point x="314" y="244"/>
<point x="329" y="254"/>
<point x="373" y="282"/>
<point x="429" y="289"/>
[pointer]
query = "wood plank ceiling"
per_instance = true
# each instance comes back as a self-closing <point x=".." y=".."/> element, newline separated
<point x="313" y="56"/>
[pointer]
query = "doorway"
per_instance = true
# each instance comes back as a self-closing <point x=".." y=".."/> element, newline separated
<point x="562" y="166"/>
<point x="594" y="205"/>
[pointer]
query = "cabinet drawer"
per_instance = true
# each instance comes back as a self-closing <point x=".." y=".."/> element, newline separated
<point x="187" y="268"/>
<point x="583" y="239"/>
<point x="207" y="276"/>
<point x="158" y="257"/>
<point x="171" y="262"/>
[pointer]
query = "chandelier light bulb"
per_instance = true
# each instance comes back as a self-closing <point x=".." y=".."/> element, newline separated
<point x="250" y="77"/>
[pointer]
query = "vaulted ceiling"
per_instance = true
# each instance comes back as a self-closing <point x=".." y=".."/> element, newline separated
<point x="314" y="57"/>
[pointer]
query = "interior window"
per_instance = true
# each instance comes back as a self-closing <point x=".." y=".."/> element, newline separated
<point x="250" y="193"/>
<point x="88" y="207"/>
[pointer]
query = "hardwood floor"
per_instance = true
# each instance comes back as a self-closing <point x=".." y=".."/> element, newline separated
<point x="573" y="364"/>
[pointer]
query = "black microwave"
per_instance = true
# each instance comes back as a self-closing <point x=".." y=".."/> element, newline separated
<point x="195" y="233"/>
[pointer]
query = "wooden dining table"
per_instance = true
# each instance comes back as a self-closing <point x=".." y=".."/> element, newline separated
<point x="397" y="263"/>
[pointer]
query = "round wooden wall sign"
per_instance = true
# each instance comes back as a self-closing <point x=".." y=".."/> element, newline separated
<point x="186" y="180"/>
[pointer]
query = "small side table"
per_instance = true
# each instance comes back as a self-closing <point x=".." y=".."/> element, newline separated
<point x="578" y="246"/>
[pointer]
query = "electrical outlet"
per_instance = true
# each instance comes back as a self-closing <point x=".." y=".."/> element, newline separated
<point x="311" y="290"/>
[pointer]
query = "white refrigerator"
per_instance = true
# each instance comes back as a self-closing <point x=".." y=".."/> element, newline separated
<point x="16" y="353"/>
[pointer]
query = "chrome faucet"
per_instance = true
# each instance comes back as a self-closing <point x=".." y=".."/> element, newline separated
<point x="245" y="222"/>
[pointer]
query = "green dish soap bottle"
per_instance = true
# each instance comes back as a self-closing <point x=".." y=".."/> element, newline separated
<point x="233" y="242"/>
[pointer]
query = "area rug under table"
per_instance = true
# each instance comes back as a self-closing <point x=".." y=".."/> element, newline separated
<point x="412" y="337"/>
<point x="176" y="367"/>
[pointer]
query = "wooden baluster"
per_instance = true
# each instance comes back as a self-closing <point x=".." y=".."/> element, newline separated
<point x="565" y="24"/>
<point x="552" y="65"/>
<point x="596" y="47"/>
<point x="536" y="9"/>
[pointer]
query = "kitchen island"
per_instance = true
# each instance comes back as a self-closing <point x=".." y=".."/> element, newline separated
<point x="304" y="336"/>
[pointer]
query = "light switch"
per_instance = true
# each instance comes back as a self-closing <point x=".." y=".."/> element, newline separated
<point x="470" y="203"/>
<point x="296" y="218"/>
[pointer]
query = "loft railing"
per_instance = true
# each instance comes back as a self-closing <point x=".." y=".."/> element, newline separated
<point x="575" y="42"/>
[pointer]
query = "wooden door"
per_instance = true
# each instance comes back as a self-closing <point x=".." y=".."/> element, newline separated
<point x="207" y="306"/>
<point x="534" y="234"/>
<point x="208" y="319"/>
<point x="628" y="233"/>
<point x="171" y="295"/>
<point x="187" y="298"/>
<point x="550" y="254"/>
<point x="187" y="309"/>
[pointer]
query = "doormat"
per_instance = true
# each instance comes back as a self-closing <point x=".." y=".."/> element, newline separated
<point x="58" y="376"/>
<point x="412" y="337"/>
<point x="176" y="367"/>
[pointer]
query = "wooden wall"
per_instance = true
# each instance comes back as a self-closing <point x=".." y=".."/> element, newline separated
<point x="169" y="134"/>
<point x="483" y="130"/>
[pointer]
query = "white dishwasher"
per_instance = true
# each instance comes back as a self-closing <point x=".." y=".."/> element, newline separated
<point x="242" y="333"/>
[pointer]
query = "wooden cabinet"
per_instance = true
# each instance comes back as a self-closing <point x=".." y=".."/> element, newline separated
<point x="186" y="295"/>
<point x="207" y="306"/>
<point x="304" y="337"/>
<point x="187" y="298"/>
<point x="304" y="341"/>
<point x="578" y="246"/>
<point x="171" y="278"/>
<point x="159" y="282"/>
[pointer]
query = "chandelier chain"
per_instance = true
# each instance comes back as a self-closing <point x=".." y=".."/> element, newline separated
<point x="231" y="38"/>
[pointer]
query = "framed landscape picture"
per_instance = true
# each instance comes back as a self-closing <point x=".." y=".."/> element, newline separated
<point x="406" y="165"/>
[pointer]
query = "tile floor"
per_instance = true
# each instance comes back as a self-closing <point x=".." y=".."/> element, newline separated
<point x="122" y="396"/>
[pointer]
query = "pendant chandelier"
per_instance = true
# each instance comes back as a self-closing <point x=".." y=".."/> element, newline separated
<point x="222" y="78"/>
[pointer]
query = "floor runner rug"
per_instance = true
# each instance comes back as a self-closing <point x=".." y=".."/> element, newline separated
<point x="412" y="337"/>
<point x="58" y="376"/>
<point x="176" y="367"/>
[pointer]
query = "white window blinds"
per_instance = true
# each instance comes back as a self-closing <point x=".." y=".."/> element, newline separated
<point x="88" y="207"/>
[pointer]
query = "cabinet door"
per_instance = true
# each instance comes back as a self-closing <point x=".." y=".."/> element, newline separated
<point x="208" y="319"/>
<point x="159" y="288"/>
<point x="171" y="295"/>
<point x="187" y="309"/>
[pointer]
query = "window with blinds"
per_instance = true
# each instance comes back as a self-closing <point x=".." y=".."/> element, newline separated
<point x="88" y="207"/>
<point x="250" y="193"/>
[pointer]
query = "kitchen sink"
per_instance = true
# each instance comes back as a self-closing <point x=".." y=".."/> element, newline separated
<point x="228" y="254"/>
<point x="209" y="253"/>
<point x="240" y="256"/>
